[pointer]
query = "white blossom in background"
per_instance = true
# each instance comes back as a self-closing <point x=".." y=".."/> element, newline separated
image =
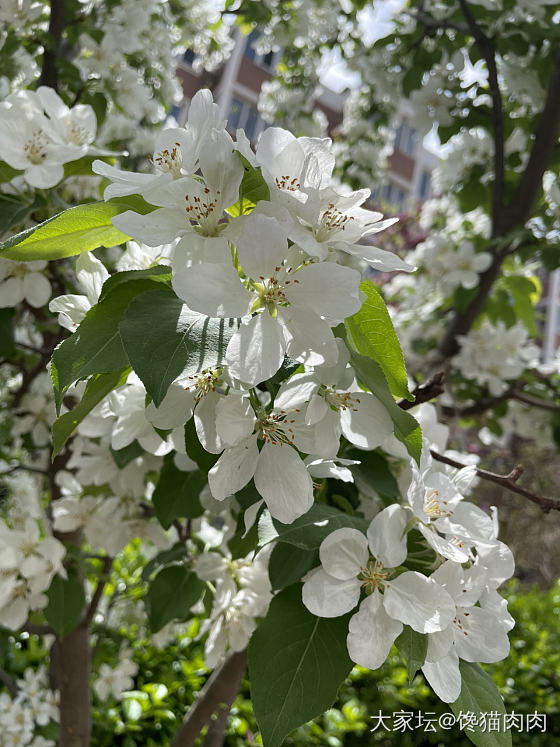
<point x="116" y="680"/>
<point x="39" y="134"/>
<point x="492" y="354"/>
<point x="23" y="281"/>
<point x="242" y="594"/>
<point x="91" y="273"/>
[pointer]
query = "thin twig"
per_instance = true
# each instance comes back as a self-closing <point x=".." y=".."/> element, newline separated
<point x="425" y="392"/>
<point x="34" y="629"/>
<point x="487" y="50"/>
<point x="506" y="481"/>
<point x="215" y="691"/>
<point x="10" y="683"/>
<point x="98" y="593"/>
<point x="437" y="23"/>
<point x="528" y="399"/>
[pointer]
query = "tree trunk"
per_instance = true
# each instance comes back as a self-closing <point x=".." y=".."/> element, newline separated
<point x="74" y="665"/>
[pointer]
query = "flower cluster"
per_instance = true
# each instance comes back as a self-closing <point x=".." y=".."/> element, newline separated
<point x="242" y="594"/>
<point x="457" y="605"/>
<point x="34" y="705"/>
<point x="492" y="355"/>
<point x="39" y="134"/>
<point x="282" y="288"/>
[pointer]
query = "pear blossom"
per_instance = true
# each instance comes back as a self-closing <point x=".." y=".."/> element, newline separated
<point x="409" y="598"/>
<point x="176" y="154"/>
<point x="293" y="314"/>
<point x="242" y="594"/>
<point x="91" y="274"/>
<point x="74" y="126"/>
<point x="191" y="207"/>
<point x="29" y="141"/>
<point x="336" y="405"/>
<point x="23" y="281"/>
<point x="476" y="634"/>
<point x="438" y="505"/>
<point x="114" y="681"/>
<point x="280" y="475"/>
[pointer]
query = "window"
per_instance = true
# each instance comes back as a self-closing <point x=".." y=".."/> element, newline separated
<point x="244" y="115"/>
<point x="399" y="135"/>
<point x="406" y="138"/>
<point x="424" y="185"/>
<point x="411" y="140"/>
<point x="189" y="57"/>
<point x="250" y="53"/>
<point x="387" y="192"/>
<point x="235" y="114"/>
<point x="399" y="199"/>
<point x="267" y="61"/>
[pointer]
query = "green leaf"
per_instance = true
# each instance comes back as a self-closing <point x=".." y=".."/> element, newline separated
<point x="164" y="338"/>
<point x="124" y="456"/>
<point x="7" y="339"/>
<point x="14" y="211"/>
<point x="525" y="293"/>
<point x="157" y="273"/>
<point x="374" y="468"/>
<point x="80" y="228"/>
<point x="310" y="530"/>
<point x="179" y="551"/>
<point x="7" y="173"/>
<point x="66" y="602"/>
<point x="176" y="494"/>
<point x="412" y="79"/>
<point x="97" y="387"/>
<point x="371" y="333"/>
<point x="413" y="647"/>
<point x="407" y="429"/>
<point x="252" y="189"/>
<point x="296" y="663"/>
<point x="288" y="564"/>
<point x="82" y="166"/>
<point x="96" y="346"/>
<point x="479" y="694"/>
<point x="203" y="459"/>
<point x="171" y="595"/>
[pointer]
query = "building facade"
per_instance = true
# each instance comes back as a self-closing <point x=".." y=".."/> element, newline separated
<point x="236" y="91"/>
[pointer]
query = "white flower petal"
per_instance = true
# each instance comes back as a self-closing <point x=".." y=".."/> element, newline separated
<point x="419" y="602"/>
<point x="284" y="482"/>
<point x="369" y="424"/>
<point x="326" y="596"/>
<point x="343" y="553"/>
<point x="234" y="469"/>
<point x="212" y="289"/>
<point x="256" y="350"/>
<point x="372" y="633"/>
<point x="444" y="677"/>
<point x="331" y="290"/>
<point x="386" y="537"/>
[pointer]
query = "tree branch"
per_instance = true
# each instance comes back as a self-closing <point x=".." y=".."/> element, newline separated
<point x="506" y="481"/>
<point x="425" y="392"/>
<point x="546" y="135"/>
<point x="98" y="593"/>
<point x="216" y="691"/>
<point x="487" y="50"/>
<point x="529" y="399"/>
<point x="437" y="23"/>
<point x="34" y="629"/>
<point x="57" y="24"/>
<point x="9" y="682"/>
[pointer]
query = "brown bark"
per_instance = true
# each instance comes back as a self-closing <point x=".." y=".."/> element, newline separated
<point x="222" y="687"/>
<point x="74" y="677"/>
